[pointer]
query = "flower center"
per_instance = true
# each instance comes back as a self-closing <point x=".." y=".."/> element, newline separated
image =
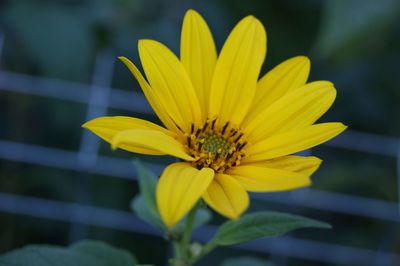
<point x="215" y="144"/>
<point x="217" y="147"/>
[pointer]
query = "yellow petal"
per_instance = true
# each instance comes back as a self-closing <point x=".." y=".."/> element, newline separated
<point x="226" y="196"/>
<point x="179" y="188"/>
<point x="286" y="173"/>
<point x="198" y="55"/>
<point x="235" y="77"/>
<point x="299" y="164"/>
<point x="299" y="108"/>
<point x="169" y="80"/>
<point x="151" y="96"/>
<point x="107" y="127"/>
<point x="292" y="141"/>
<point x="282" y="79"/>
<point x="137" y="139"/>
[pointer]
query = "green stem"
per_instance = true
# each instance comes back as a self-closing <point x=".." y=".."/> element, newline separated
<point x="182" y="256"/>
<point x="177" y="250"/>
<point x="187" y="232"/>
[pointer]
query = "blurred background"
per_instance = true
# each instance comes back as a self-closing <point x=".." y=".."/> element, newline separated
<point x="58" y="69"/>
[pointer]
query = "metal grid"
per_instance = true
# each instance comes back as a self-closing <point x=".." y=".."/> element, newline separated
<point x="99" y="96"/>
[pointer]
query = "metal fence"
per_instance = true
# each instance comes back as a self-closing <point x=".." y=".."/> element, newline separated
<point x="99" y="96"/>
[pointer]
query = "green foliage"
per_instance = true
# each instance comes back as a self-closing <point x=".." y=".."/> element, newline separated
<point x="261" y="224"/>
<point x="147" y="185"/>
<point x="85" y="253"/>
<point x="139" y="206"/>
<point x="144" y="204"/>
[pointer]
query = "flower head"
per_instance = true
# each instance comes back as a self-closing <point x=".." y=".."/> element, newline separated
<point x="234" y="132"/>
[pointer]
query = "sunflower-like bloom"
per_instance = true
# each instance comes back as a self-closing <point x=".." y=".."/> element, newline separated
<point x="234" y="132"/>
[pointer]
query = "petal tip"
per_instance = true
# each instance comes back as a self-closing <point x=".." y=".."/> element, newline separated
<point x="260" y="30"/>
<point x="236" y="216"/>
<point x="191" y="12"/>
<point x="123" y="58"/>
<point x="302" y="58"/>
<point x="317" y="160"/>
<point x="114" y="146"/>
<point x="250" y="17"/>
<point x="146" y="42"/>
<point x="252" y="20"/>
<point x="88" y="124"/>
<point x="341" y="125"/>
<point x="304" y="61"/>
<point x="256" y="22"/>
<point x="115" y="142"/>
<point x="85" y="125"/>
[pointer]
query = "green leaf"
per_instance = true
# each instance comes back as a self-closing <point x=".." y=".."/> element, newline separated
<point x="147" y="184"/>
<point x="248" y="261"/>
<point x="262" y="224"/>
<point x="143" y="212"/>
<point x="104" y="252"/>
<point x="145" y="205"/>
<point x="85" y="253"/>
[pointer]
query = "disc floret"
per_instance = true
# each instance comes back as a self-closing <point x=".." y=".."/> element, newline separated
<point x="215" y="146"/>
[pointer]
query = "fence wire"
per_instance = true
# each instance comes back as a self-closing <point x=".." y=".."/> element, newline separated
<point x="99" y="96"/>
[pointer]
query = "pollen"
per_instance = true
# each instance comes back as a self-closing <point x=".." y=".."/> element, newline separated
<point x="215" y="146"/>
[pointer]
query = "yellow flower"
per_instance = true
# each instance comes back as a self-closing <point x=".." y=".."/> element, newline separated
<point x="235" y="133"/>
